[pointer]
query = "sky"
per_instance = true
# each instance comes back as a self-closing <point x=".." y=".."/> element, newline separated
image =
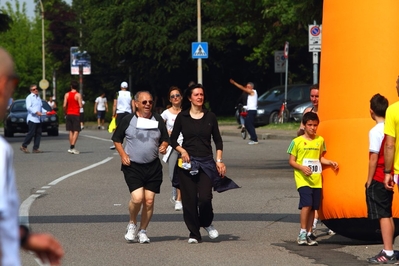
<point x="30" y="5"/>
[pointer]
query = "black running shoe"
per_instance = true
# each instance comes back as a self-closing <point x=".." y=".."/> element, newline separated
<point x="382" y="258"/>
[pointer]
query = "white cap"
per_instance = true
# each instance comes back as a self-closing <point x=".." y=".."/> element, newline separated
<point x="124" y="85"/>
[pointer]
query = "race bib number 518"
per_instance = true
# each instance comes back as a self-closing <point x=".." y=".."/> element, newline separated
<point x="313" y="164"/>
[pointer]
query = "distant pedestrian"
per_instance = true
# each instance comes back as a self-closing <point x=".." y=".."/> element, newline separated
<point x="35" y="110"/>
<point x="51" y="102"/>
<point x="146" y="136"/>
<point x="72" y="105"/>
<point x="306" y="157"/>
<point x="123" y="105"/>
<point x="82" y="115"/>
<point x="101" y="108"/>
<point x="252" y="106"/>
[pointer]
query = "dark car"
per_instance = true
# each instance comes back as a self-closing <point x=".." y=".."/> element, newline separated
<point x="270" y="102"/>
<point x="15" y="121"/>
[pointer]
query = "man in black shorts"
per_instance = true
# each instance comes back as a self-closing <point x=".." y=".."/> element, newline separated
<point x="146" y="137"/>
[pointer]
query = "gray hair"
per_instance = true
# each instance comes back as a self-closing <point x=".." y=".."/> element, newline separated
<point x="251" y="84"/>
<point x="136" y="96"/>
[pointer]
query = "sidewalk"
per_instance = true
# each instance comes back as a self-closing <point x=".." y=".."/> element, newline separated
<point x="228" y="130"/>
<point x="263" y="133"/>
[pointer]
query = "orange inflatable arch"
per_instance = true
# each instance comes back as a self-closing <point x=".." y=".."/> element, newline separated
<point x="360" y="57"/>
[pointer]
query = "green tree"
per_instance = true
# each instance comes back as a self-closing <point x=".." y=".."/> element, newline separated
<point x="23" y="41"/>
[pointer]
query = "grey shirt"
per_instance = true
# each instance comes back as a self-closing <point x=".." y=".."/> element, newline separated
<point x="141" y="144"/>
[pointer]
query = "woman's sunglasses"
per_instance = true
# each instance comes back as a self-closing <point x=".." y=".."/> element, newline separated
<point x="174" y="96"/>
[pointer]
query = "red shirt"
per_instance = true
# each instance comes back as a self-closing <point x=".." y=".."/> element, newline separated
<point x="379" y="171"/>
<point x="72" y="104"/>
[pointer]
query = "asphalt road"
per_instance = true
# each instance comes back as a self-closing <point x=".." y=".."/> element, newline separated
<point x="83" y="201"/>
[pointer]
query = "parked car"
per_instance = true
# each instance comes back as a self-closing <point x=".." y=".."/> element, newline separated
<point x="297" y="112"/>
<point x="270" y="102"/>
<point x="15" y="121"/>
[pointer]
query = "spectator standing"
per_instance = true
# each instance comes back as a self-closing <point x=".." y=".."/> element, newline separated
<point x="35" y="111"/>
<point x="146" y="137"/>
<point x="379" y="199"/>
<point x="12" y="236"/>
<point x="100" y="108"/>
<point x="72" y="105"/>
<point x="252" y="106"/>
<point x="306" y="157"/>
<point x="169" y="116"/>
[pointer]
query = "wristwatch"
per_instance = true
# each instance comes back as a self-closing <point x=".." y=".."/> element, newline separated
<point x="387" y="171"/>
<point x="219" y="160"/>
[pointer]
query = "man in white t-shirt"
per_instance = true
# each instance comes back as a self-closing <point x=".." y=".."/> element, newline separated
<point x="252" y="106"/>
<point x="100" y="108"/>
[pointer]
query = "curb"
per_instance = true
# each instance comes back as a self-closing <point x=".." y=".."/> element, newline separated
<point x="260" y="136"/>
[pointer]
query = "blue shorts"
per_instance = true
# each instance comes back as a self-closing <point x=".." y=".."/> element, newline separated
<point x="309" y="197"/>
<point x="100" y="114"/>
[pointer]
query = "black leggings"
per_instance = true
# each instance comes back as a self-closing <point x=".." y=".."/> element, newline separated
<point x="196" y="194"/>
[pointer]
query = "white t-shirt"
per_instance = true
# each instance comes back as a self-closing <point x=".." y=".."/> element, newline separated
<point x="170" y="122"/>
<point x="123" y="102"/>
<point x="82" y="110"/>
<point x="252" y="101"/>
<point x="101" y="103"/>
<point x="376" y="136"/>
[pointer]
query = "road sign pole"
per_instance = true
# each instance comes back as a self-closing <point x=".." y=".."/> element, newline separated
<point x="199" y="62"/>
<point x="315" y="67"/>
<point x="81" y="79"/>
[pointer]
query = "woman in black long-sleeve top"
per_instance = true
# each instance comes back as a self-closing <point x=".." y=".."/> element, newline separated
<point x="198" y="126"/>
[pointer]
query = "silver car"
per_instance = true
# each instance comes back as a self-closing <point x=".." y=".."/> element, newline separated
<point x="297" y="112"/>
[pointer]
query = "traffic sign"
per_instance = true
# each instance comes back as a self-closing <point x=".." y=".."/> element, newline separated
<point x="314" y="38"/>
<point x="286" y="48"/>
<point x="279" y="62"/>
<point x="44" y="84"/>
<point x="199" y="50"/>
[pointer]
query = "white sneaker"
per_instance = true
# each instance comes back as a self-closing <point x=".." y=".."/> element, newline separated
<point x="70" y="150"/>
<point x="143" y="238"/>
<point x="130" y="235"/>
<point x="192" y="241"/>
<point x="330" y="232"/>
<point x="212" y="232"/>
<point x="112" y="147"/>
<point x="178" y="205"/>
<point x="253" y="142"/>
<point x="74" y="151"/>
<point x="102" y="128"/>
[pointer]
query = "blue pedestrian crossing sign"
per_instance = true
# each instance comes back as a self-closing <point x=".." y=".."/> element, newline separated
<point x="199" y="50"/>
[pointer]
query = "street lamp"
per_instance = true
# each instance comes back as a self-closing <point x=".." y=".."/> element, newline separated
<point x="199" y="62"/>
<point x="43" y="84"/>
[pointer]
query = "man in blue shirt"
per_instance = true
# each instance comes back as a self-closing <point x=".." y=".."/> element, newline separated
<point x="35" y="111"/>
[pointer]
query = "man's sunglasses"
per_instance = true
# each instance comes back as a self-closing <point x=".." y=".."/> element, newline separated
<point x="145" y="102"/>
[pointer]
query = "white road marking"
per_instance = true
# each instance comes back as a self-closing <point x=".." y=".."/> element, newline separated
<point x="25" y="206"/>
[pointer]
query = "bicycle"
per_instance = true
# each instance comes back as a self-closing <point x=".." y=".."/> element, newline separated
<point x="283" y="114"/>
<point x="243" y="113"/>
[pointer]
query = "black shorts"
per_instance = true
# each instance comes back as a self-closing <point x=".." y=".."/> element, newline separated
<point x="379" y="201"/>
<point x="72" y="123"/>
<point x="147" y="175"/>
<point x="309" y="197"/>
<point x="120" y="116"/>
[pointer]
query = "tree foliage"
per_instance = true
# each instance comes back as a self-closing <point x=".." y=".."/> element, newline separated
<point x="149" y="41"/>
